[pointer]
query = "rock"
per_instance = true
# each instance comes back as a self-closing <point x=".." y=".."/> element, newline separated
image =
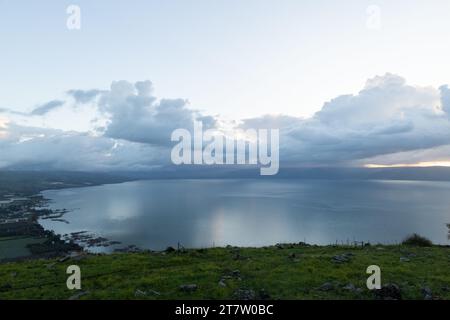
<point x="143" y="293"/>
<point x="349" y="254"/>
<point x="188" y="287"/>
<point x="327" y="286"/>
<point x="404" y="259"/>
<point x="389" y="291"/>
<point x="78" y="295"/>
<point x="427" y="293"/>
<point x="236" y="273"/>
<point x="349" y="287"/>
<point x="263" y="295"/>
<point x="342" y="258"/>
<point x="155" y="292"/>
<point x="244" y="294"/>
<point x="140" y="293"/>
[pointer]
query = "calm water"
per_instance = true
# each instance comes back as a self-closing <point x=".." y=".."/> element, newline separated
<point x="201" y="213"/>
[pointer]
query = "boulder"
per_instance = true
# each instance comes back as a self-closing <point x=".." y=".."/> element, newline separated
<point x="327" y="286"/>
<point x="349" y="287"/>
<point x="244" y="294"/>
<point x="427" y="293"/>
<point x="389" y="291"/>
<point x="188" y="287"/>
<point x="342" y="258"/>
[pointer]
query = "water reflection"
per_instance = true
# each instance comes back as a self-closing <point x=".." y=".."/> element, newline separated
<point x="200" y="213"/>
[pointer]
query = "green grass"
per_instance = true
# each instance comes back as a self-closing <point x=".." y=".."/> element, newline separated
<point x="277" y="271"/>
<point x="15" y="247"/>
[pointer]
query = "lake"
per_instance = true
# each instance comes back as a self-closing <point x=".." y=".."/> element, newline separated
<point x="155" y="214"/>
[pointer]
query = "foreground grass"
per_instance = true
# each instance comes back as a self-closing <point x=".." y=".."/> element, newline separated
<point x="291" y="272"/>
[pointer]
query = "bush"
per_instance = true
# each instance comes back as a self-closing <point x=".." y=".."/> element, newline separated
<point x="417" y="241"/>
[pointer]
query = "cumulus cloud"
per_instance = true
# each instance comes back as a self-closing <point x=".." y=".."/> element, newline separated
<point x="136" y="115"/>
<point x="131" y="130"/>
<point x="31" y="148"/>
<point x="387" y="122"/>
<point x="388" y="116"/>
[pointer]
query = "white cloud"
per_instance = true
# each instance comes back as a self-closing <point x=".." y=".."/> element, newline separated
<point x="31" y="148"/>
<point x="3" y="127"/>
<point x="137" y="116"/>
<point x="386" y="117"/>
<point x="127" y="127"/>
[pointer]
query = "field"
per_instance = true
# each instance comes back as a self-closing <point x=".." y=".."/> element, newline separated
<point x="16" y="247"/>
<point x="279" y="272"/>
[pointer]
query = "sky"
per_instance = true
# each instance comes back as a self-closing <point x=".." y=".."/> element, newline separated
<point x="354" y="83"/>
<point x="237" y="58"/>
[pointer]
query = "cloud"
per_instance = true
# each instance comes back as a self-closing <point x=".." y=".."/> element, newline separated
<point x="3" y="127"/>
<point x="387" y="122"/>
<point x="137" y="116"/>
<point x="270" y="122"/>
<point x="39" y="148"/>
<point x="47" y="107"/>
<point x="131" y="131"/>
<point x="84" y="96"/>
<point x="445" y="98"/>
<point x="383" y="99"/>
<point x="386" y="117"/>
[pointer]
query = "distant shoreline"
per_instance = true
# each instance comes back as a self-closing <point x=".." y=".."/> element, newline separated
<point x="34" y="184"/>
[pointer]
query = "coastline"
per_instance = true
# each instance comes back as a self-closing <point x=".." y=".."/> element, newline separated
<point x="22" y="205"/>
<point x="36" y="211"/>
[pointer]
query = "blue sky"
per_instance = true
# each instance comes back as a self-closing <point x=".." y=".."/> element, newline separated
<point x="236" y="58"/>
<point x="341" y="89"/>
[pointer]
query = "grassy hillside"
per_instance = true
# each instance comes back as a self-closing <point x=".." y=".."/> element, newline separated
<point x="284" y="272"/>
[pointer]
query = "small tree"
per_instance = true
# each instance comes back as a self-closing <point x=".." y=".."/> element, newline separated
<point x="417" y="241"/>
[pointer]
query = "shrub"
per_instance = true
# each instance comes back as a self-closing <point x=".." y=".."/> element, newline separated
<point x="417" y="241"/>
